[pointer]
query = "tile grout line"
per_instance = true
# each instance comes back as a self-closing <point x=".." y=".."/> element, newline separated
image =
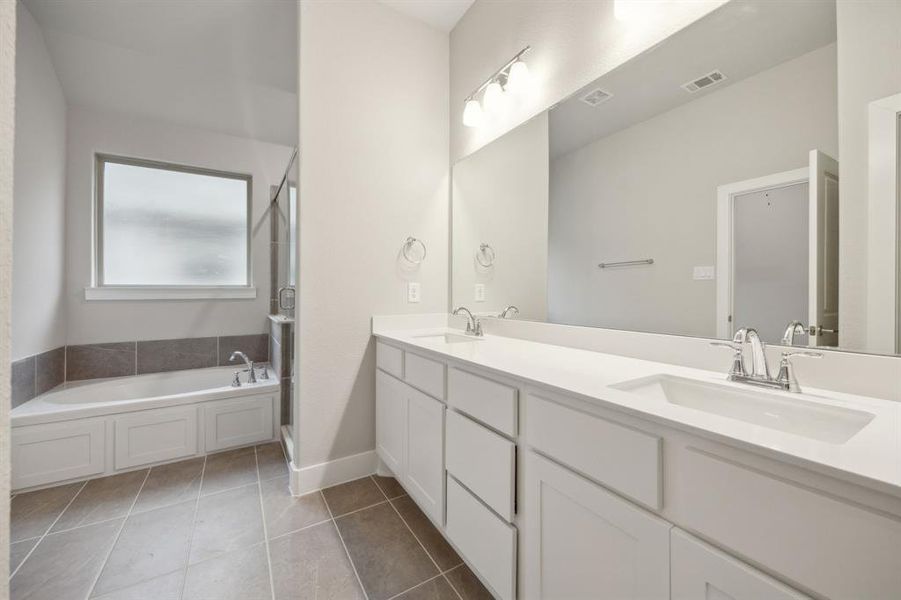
<point x="304" y="528"/>
<point x="344" y="545"/>
<point x="410" y="529"/>
<point x="184" y="578"/>
<point x="46" y="531"/>
<point x="355" y="511"/>
<point x="441" y="573"/>
<point x="256" y="460"/>
<point x="421" y="583"/>
<point x="118" y="534"/>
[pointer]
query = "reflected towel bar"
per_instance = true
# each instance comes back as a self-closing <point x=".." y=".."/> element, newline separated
<point x="627" y="263"/>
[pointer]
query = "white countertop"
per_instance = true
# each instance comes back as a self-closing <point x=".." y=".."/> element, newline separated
<point x="872" y="457"/>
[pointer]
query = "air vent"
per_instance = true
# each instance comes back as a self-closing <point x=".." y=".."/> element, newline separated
<point x="596" y="97"/>
<point x="710" y="79"/>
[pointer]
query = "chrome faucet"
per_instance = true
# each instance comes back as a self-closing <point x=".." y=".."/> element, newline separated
<point x="760" y="373"/>
<point x="794" y="328"/>
<point x="507" y="311"/>
<point x="251" y="378"/>
<point x="473" y="325"/>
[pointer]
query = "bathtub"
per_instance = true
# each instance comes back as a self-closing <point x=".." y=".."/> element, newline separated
<point x="93" y="428"/>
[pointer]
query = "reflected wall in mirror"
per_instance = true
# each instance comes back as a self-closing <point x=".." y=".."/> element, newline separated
<point x="698" y="189"/>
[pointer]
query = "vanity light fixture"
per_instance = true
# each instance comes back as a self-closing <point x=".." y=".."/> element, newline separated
<point x="513" y="77"/>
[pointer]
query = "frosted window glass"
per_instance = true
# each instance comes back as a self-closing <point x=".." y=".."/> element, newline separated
<point x="173" y="228"/>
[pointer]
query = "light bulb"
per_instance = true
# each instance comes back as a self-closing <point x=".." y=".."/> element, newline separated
<point x="518" y="79"/>
<point x="494" y="97"/>
<point x="472" y="113"/>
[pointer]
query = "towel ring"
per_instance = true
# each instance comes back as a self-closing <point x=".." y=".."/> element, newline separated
<point x="486" y="255"/>
<point x="409" y="244"/>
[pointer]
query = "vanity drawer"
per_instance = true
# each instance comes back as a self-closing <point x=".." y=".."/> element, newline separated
<point x="488" y="401"/>
<point x="389" y="359"/>
<point x="481" y="460"/>
<point x="486" y="542"/>
<point x="425" y="374"/>
<point x="621" y="458"/>
<point x="819" y="542"/>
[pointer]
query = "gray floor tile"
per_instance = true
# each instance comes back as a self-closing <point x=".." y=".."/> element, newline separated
<point x="434" y="589"/>
<point x="64" y="565"/>
<point x="271" y="459"/>
<point x="32" y="513"/>
<point x="165" y="587"/>
<point x="152" y="543"/>
<point x="102" y="499"/>
<point x="170" y="484"/>
<point x="435" y="544"/>
<point x="352" y="496"/>
<point x="312" y="564"/>
<point x="389" y="486"/>
<point x="388" y="558"/>
<point x="285" y="513"/>
<point x="467" y="584"/>
<point x="229" y="470"/>
<point x="240" y="575"/>
<point x="227" y="521"/>
<point x="18" y="551"/>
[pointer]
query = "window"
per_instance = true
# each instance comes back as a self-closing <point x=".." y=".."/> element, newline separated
<point x="170" y="227"/>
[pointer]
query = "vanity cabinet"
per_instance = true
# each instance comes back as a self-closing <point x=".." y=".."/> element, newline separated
<point x="582" y="541"/>
<point x="701" y="572"/>
<point x="547" y="494"/>
<point x="410" y="430"/>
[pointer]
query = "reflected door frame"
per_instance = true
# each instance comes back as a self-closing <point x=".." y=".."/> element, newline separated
<point x="725" y="203"/>
<point x="884" y="227"/>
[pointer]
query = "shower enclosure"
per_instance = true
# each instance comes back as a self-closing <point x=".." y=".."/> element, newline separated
<point x="283" y="278"/>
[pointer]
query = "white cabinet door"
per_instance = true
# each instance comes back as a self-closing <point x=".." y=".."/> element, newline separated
<point x="238" y="422"/>
<point x="54" y="452"/>
<point x="156" y="435"/>
<point x="581" y="541"/>
<point x="424" y="477"/>
<point x="701" y="572"/>
<point x="390" y="422"/>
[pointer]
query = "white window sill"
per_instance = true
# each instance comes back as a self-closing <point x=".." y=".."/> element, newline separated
<point x="169" y="293"/>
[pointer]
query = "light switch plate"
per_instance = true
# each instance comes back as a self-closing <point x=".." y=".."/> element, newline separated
<point x="704" y="273"/>
<point x="413" y="292"/>
<point x="479" y="294"/>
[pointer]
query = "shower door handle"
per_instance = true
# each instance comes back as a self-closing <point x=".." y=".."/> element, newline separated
<point x="286" y="297"/>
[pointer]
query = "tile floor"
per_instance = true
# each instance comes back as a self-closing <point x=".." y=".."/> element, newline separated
<point x="225" y="527"/>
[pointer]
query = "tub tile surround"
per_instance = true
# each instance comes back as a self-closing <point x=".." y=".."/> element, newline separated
<point x="38" y="374"/>
<point x="226" y="527"/>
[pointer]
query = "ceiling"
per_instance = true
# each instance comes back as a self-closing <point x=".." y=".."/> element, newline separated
<point x="440" y="14"/>
<point x="228" y="66"/>
<point x="740" y="39"/>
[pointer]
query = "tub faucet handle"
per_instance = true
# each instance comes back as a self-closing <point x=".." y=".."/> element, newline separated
<point x="236" y="382"/>
<point x="264" y="373"/>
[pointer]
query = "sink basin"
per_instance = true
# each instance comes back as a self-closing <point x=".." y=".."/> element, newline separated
<point x="832" y="424"/>
<point x="449" y="338"/>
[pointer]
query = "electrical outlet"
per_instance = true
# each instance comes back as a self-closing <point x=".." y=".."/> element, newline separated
<point x="479" y="295"/>
<point x="704" y="273"/>
<point x="413" y="292"/>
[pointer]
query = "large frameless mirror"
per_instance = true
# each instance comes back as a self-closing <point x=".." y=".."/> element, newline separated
<point x="695" y="190"/>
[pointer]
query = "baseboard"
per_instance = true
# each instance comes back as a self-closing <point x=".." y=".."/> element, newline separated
<point x="304" y="480"/>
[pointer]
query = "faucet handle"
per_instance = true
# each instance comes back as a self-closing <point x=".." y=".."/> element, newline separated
<point x="786" y="377"/>
<point x="738" y="366"/>
<point x="264" y="372"/>
<point x="236" y="382"/>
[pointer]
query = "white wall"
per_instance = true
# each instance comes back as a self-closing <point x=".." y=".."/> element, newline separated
<point x="374" y="169"/>
<point x="573" y="43"/>
<point x="7" y="131"/>
<point x="635" y="193"/>
<point x="500" y="197"/>
<point x="106" y="321"/>
<point x="869" y="55"/>
<point x="39" y="218"/>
